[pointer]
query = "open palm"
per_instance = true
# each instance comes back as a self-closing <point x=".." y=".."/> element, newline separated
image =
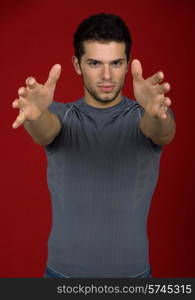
<point x="35" y="98"/>
<point x="149" y="93"/>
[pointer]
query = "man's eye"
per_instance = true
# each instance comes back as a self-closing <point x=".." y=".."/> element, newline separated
<point x="116" y="64"/>
<point x="94" y="64"/>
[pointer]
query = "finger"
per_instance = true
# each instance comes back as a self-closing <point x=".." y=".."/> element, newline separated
<point x="22" y="92"/>
<point x="164" y="101"/>
<point x="18" y="103"/>
<point x="19" y="120"/>
<point x="54" y="75"/>
<point x="31" y="82"/>
<point x="164" y="88"/>
<point x="167" y="101"/>
<point x="163" y="115"/>
<point x="164" y="107"/>
<point x="163" y="112"/>
<point x="156" y="78"/>
<point x="136" y="70"/>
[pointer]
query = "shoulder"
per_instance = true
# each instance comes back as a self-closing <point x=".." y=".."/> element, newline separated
<point x="137" y="111"/>
<point x="56" y="105"/>
<point x="60" y="109"/>
<point x="134" y="107"/>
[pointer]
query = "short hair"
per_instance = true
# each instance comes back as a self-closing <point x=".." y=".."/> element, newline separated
<point x="102" y="27"/>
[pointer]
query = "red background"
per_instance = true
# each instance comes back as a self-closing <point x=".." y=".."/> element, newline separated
<point x="34" y="36"/>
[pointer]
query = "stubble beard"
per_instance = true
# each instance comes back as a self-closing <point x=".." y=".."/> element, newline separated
<point x="105" y="99"/>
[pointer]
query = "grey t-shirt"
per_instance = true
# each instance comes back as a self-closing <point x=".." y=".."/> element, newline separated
<point x="102" y="172"/>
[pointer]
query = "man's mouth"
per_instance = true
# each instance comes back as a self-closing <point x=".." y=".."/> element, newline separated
<point x="106" y="88"/>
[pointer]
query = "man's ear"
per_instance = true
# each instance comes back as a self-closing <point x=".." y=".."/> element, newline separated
<point x="76" y="65"/>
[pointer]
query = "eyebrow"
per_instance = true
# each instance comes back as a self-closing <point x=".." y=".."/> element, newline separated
<point x="99" y="61"/>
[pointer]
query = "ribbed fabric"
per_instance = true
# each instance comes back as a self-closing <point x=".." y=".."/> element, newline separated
<point x="102" y="171"/>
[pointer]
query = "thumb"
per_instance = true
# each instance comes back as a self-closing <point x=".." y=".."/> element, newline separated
<point x="54" y="75"/>
<point x="136" y="70"/>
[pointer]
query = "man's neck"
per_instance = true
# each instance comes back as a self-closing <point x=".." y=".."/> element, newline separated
<point x="95" y="103"/>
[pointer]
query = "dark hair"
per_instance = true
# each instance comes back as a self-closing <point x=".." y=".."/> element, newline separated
<point x="103" y="28"/>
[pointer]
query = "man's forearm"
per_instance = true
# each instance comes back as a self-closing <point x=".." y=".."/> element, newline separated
<point x="44" y="129"/>
<point x="161" y="131"/>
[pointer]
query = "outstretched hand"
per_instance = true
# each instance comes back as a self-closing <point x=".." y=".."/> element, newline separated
<point x="35" y="98"/>
<point x="149" y="93"/>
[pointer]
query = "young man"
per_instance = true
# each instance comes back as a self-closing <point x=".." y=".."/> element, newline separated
<point x="103" y="154"/>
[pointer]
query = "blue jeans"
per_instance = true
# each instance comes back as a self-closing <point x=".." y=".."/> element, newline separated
<point x="50" y="273"/>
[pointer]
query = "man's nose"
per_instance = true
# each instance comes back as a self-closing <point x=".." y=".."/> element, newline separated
<point x="106" y="72"/>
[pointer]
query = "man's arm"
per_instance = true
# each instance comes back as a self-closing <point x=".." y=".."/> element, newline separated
<point x="43" y="130"/>
<point x="33" y="103"/>
<point x="157" y="121"/>
<point x="161" y="131"/>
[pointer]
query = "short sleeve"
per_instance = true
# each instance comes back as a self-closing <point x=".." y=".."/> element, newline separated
<point x="59" y="109"/>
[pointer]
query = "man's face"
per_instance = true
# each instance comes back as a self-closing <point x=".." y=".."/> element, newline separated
<point x="103" y="68"/>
